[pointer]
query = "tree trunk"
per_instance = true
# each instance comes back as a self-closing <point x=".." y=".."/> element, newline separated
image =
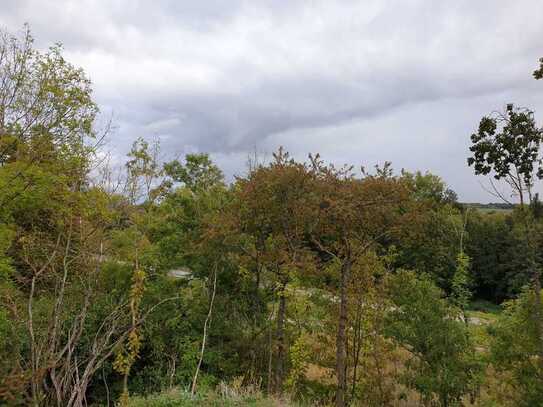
<point x="341" y="350"/>
<point x="270" y="359"/>
<point x="279" y="367"/>
<point x="172" y="370"/>
<point x="204" y="336"/>
<point x="538" y="317"/>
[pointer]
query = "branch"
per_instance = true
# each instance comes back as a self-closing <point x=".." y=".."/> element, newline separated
<point x="496" y="193"/>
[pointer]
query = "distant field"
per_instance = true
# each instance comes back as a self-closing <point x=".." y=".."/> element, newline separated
<point x="494" y="210"/>
<point x="491" y="207"/>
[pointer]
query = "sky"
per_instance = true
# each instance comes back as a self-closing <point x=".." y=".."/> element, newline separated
<point x="360" y="82"/>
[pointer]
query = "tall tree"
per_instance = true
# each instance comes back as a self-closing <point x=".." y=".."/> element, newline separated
<point x="274" y="214"/>
<point x="508" y="146"/>
<point x="44" y="100"/>
<point x="512" y="152"/>
<point x="352" y="216"/>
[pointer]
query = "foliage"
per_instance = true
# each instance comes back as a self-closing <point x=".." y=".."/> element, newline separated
<point x="442" y="366"/>
<point x="429" y="187"/>
<point x="491" y="247"/>
<point x="198" y="172"/>
<point x="429" y="240"/>
<point x="508" y="144"/>
<point x="299" y="357"/>
<point x="460" y="286"/>
<point x="515" y="350"/>
<point x="538" y="73"/>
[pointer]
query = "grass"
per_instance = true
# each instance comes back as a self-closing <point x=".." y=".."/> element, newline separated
<point x="482" y="314"/>
<point x="181" y="398"/>
<point x="485" y="307"/>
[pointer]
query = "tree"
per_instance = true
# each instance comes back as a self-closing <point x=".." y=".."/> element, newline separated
<point x="495" y="255"/>
<point x="186" y="228"/>
<point x="142" y="172"/>
<point x="429" y="187"/>
<point x="46" y="125"/>
<point x="507" y="145"/>
<point x="61" y="229"/>
<point x="460" y="285"/>
<point x="461" y="281"/>
<point x="441" y="365"/>
<point x="370" y="352"/>
<point x="513" y="154"/>
<point x="43" y="100"/>
<point x="352" y="216"/>
<point x="197" y="173"/>
<point x="538" y="73"/>
<point x="428" y="239"/>
<point x="273" y="213"/>
<point x="515" y="351"/>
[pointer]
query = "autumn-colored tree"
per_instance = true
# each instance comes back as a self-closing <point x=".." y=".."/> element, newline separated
<point x="352" y="216"/>
<point x="273" y="213"/>
<point x="372" y="358"/>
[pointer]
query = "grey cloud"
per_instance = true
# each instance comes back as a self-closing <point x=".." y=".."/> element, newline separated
<point x="370" y="80"/>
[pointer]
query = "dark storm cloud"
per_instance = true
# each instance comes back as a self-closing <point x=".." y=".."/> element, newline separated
<point x="358" y="81"/>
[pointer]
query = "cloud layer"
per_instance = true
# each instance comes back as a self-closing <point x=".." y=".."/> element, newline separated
<point x="359" y="82"/>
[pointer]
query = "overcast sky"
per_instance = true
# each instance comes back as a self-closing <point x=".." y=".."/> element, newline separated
<point x="360" y="82"/>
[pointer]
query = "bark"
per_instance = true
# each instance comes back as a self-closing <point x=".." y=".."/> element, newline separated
<point x="106" y="387"/>
<point x="270" y="352"/>
<point x="172" y="367"/>
<point x="35" y="378"/>
<point x="279" y="367"/>
<point x="341" y="349"/>
<point x="34" y="353"/>
<point x="204" y="336"/>
<point x="270" y="361"/>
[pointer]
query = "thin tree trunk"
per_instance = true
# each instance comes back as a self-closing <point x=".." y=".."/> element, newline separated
<point x="279" y="369"/>
<point x="125" y="384"/>
<point x="270" y="352"/>
<point x="341" y="351"/>
<point x="172" y="370"/>
<point x="204" y="336"/>
<point x="106" y="387"/>
<point x="256" y="312"/>
<point x="34" y="382"/>
<point x="33" y="351"/>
